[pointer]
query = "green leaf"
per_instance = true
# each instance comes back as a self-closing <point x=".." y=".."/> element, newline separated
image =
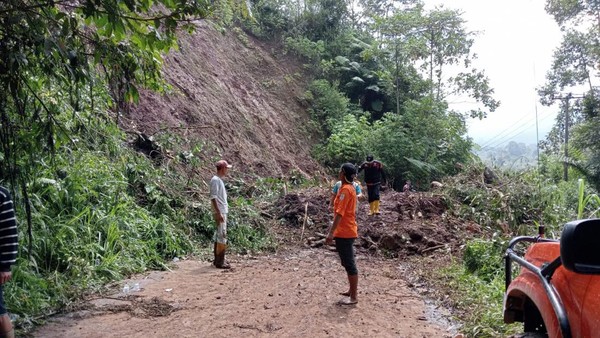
<point x="374" y="88"/>
<point x="342" y="60"/>
<point x="358" y="79"/>
<point x="133" y="96"/>
<point x="377" y="105"/>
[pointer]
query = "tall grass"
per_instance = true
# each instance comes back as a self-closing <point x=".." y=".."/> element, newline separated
<point x="88" y="229"/>
<point x="101" y="212"/>
<point x="476" y="287"/>
<point x="478" y="302"/>
<point x="589" y="202"/>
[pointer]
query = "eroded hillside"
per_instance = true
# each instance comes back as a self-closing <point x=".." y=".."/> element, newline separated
<point x="231" y="92"/>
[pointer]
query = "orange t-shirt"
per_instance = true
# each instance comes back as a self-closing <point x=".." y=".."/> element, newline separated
<point x="345" y="205"/>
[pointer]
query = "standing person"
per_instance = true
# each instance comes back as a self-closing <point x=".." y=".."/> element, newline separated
<point x="336" y="188"/>
<point x="345" y="230"/>
<point x="407" y="187"/>
<point x="218" y="200"/>
<point x="374" y="174"/>
<point x="8" y="255"/>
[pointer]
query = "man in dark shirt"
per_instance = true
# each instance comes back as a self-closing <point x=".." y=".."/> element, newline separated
<point x="374" y="175"/>
<point x="8" y="255"/>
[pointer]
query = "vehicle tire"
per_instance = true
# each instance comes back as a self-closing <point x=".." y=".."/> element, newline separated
<point x="532" y="320"/>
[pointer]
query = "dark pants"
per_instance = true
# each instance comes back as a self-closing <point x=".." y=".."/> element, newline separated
<point x="373" y="191"/>
<point x="2" y="308"/>
<point x="345" y="248"/>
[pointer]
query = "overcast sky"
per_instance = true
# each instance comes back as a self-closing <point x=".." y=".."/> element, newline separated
<point x="514" y="47"/>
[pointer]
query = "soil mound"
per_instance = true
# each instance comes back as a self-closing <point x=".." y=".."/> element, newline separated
<point x="409" y="224"/>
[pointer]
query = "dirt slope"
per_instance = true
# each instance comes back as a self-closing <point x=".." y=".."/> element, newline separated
<point x="233" y="94"/>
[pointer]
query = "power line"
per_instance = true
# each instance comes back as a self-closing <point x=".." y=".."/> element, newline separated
<point x="503" y="137"/>
<point x="508" y="129"/>
<point x="515" y="132"/>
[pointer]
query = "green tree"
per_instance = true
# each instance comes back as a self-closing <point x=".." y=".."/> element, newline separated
<point x="575" y="65"/>
<point x="435" y="41"/>
<point x="422" y="144"/>
<point x="57" y="51"/>
<point x="59" y="58"/>
<point x="321" y="19"/>
<point x="348" y="141"/>
<point x="574" y="11"/>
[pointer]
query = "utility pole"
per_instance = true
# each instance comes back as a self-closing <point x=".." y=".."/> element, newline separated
<point x="565" y="165"/>
<point x="567" y="98"/>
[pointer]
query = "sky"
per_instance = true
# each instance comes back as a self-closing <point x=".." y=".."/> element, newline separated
<point x="515" y="44"/>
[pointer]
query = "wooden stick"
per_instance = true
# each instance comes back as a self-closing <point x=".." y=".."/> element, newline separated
<point x="432" y="248"/>
<point x="320" y="235"/>
<point x="317" y="243"/>
<point x="304" y="223"/>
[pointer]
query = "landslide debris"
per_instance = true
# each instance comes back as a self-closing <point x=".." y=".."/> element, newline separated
<point x="415" y="223"/>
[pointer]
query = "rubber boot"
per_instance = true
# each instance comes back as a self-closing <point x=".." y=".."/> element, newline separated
<point x="376" y="207"/>
<point x="215" y="254"/>
<point x="220" y="257"/>
<point x="371" y="208"/>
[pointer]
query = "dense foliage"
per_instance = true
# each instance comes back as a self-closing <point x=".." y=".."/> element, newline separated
<point x="382" y="72"/>
<point x="572" y="83"/>
<point x="91" y="209"/>
<point x="512" y="204"/>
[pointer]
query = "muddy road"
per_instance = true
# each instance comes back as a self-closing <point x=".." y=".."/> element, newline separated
<point x="291" y="294"/>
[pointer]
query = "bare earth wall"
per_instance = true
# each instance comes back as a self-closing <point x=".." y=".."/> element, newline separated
<point x="234" y="94"/>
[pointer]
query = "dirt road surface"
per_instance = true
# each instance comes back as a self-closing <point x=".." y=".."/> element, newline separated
<point x="290" y="294"/>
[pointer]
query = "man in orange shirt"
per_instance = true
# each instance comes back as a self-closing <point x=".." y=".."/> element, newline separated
<point x="345" y="230"/>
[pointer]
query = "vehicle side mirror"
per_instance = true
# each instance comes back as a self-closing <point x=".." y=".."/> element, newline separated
<point x="580" y="246"/>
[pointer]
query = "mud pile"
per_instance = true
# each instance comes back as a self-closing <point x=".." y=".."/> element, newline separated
<point x="409" y="223"/>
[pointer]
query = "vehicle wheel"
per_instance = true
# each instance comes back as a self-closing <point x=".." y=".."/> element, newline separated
<point x="532" y="320"/>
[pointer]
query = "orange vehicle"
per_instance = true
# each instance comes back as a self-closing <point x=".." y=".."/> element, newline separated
<point x="557" y="292"/>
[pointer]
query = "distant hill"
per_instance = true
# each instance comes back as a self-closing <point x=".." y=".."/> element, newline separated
<point x="241" y="97"/>
<point x="514" y="155"/>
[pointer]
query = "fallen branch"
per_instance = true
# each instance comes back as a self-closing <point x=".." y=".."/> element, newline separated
<point x="317" y="243"/>
<point x="266" y="214"/>
<point x="370" y="241"/>
<point x="432" y="248"/>
<point x="246" y="326"/>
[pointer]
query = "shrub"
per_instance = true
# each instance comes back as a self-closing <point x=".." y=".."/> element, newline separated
<point x="328" y="105"/>
<point x="483" y="258"/>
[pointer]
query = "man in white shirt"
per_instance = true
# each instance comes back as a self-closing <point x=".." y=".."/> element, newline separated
<point x="218" y="200"/>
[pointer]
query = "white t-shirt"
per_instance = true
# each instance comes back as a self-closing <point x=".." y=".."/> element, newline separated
<point x="218" y="192"/>
<point x="338" y="185"/>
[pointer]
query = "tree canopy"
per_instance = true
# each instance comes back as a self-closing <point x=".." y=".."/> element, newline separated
<point x="572" y="81"/>
<point x="396" y="63"/>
